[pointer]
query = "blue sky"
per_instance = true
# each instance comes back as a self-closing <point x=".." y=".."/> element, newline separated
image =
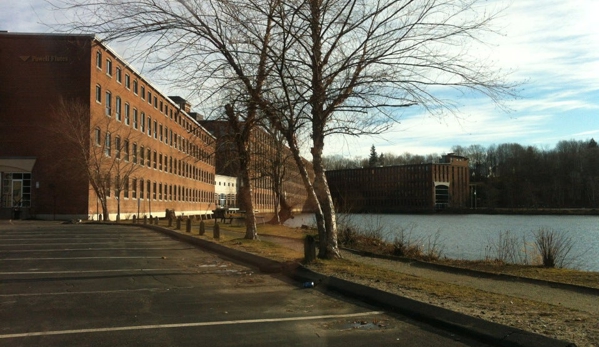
<point x="552" y="47"/>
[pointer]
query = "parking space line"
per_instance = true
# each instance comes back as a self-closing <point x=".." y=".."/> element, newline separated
<point x="187" y="325"/>
<point x="87" y="242"/>
<point x="95" y="249"/>
<point x="77" y="258"/>
<point x="156" y="289"/>
<point x="83" y="271"/>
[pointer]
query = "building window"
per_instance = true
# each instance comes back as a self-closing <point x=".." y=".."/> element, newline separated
<point x="126" y="187"/>
<point x="153" y="191"/>
<point x="117" y="108"/>
<point x="155" y="102"/>
<point x="107" y="144"/>
<point x="149" y="157"/>
<point x="134" y="152"/>
<point x="135" y="87"/>
<point x="109" y="67"/>
<point x="98" y="137"/>
<point x="117" y="145"/>
<point x="160" y="132"/>
<point x="155" y="159"/>
<point x="149" y="186"/>
<point x="127" y="114"/>
<point x="126" y="150"/>
<point x="118" y="74"/>
<point x="141" y="189"/>
<point x="134" y="188"/>
<point x="149" y="97"/>
<point x="99" y="60"/>
<point x="127" y="81"/>
<point x="160" y="162"/>
<point x="143" y="92"/>
<point x="161" y="106"/>
<point x="134" y="118"/>
<point x="142" y="124"/>
<point x="149" y="126"/>
<point x="16" y="189"/>
<point x="155" y="129"/>
<point x="108" y="103"/>
<point x="98" y="93"/>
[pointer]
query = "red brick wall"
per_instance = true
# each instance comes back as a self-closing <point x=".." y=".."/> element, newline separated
<point x="37" y="70"/>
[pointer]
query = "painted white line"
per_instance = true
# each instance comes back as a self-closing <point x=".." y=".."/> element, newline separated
<point x="84" y="271"/>
<point x="86" y="242"/>
<point x="81" y="237"/>
<point x="76" y="258"/>
<point x="187" y="325"/>
<point x="93" y="249"/>
<point x="94" y="292"/>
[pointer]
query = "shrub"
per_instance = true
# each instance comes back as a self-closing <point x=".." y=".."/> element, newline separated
<point x="504" y="249"/>
<point x="553" y="246"/>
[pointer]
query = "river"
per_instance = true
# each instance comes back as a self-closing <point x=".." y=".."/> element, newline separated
<point x="475" y="237"/>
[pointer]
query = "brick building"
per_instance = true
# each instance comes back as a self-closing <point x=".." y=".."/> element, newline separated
<point x="267" y="155"/>
<point x="402" y="188"/>
<point x="151" y="153"/>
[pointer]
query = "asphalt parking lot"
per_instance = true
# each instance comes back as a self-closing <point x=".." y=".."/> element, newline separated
<point x="106" y="285"/>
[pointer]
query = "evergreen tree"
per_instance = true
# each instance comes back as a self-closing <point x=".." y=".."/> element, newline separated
<point x="373" y="160"/>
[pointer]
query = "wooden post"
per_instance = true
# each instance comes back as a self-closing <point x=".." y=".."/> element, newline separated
<point x="309" y="249"/>
<point x="216" y="232"/>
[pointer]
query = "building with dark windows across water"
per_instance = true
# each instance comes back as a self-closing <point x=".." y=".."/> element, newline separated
<point x="403" y="188"/>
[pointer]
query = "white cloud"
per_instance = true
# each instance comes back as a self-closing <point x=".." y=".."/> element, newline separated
<point x="552" y="46"/>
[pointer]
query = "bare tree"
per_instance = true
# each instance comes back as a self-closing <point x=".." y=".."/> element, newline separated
<point x="351" y="64"/>
<point x="334" y="66"/>
<point x="100" y="150"/>
<point x="277" y="166"/>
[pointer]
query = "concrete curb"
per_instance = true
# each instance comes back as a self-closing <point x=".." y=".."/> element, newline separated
<point x="263" y="264"/>
<point x="493" y="333"/>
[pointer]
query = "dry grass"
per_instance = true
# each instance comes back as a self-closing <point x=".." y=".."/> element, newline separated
<point x="264" y="248"/>
<point x="582" y="278"/>
<point x="281" y="253"/>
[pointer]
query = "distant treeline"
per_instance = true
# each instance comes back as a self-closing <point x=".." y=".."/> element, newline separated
<point x="514" y="176"/>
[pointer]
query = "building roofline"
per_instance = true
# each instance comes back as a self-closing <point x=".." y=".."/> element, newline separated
<point x="147" y="81"/>
<point x="49" y="35"/>
<point x="99" y="41"/>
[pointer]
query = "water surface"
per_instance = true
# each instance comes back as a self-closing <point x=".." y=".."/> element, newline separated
<point x="472" y="236"/>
